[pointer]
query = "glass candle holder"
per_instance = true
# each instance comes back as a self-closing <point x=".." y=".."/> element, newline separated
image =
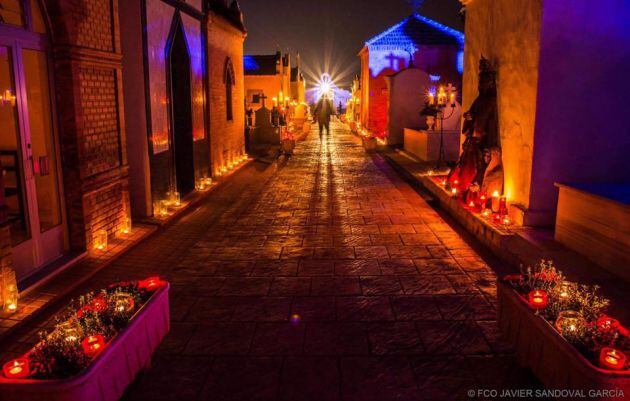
<point x="100" y="240"/>
<point x="9" y="293"/>
<point x="503" y="208"/>
<point x="607" y="323"/>
<point x="17" y="369"/>
<point x="150" y="284"/>
<point x="176" y="199"/>
<point x="164" y="207"/>
<point x="494" y="202"/>
<point x="538" y="299"/>
<point x="70" y="330"/>
<point x="569" y="322"/>
<point x="123" y="302"/>
<point x="126" y="225"/>
<point x="93" y="345"/>
<point x="613" y="359"/>
<point x="564" y="290"/>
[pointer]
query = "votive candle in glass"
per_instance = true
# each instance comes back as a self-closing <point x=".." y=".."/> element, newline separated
<point x="538" y="299"/>
<point x="93" y="345"/>
<point x="613" y="359"/>
<point x="17" y="369"/>
<point x="569" y="322"/>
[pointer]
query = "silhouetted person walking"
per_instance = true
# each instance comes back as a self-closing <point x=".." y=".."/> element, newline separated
<point x="323" y="111"/>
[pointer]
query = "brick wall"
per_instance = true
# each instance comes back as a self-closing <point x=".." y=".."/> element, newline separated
<point x="88" y="86"/>
<point x="227" y="138"/>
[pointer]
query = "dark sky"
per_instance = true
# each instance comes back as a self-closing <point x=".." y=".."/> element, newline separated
<point x="329" y="33"/>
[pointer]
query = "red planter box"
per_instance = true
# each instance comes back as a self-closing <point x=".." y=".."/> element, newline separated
<point x="556" y="363"/>
<point x="113" y="370"/>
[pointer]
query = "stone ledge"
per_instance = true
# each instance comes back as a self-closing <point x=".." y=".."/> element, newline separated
<point x="515" y="245"/>
<point x="36" y="300"/>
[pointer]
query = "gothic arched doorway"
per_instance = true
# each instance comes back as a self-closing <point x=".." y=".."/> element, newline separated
<point x="179" y="88"/>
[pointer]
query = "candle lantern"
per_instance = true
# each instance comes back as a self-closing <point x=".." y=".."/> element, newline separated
<point x="100" y="240"/>
<point x="9" y="293"/>
<point x="208" y="181"/>
<point x="164" y="207"/>
<point x="503" y="208"/>
<point x="200" y="185"/>
<point x="126" y="225"/>
<point x="70" y="330"/>
<point x="150" y="284"/>
<point x="538" y="299"/>
<point x="17" y="369"/>
<point x="123" y="302"/>
<point x="569" y="322"/>
<point x="157" y="209"/>
<point x="610" y="358"/>
<point x="93" y="345"/>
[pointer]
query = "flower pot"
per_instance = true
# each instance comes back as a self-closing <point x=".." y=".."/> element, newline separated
<point x="113" y="369"/>
<point x="369" y="144"/>
<point x="557" y="363"/>
<point x="288" y="145"/>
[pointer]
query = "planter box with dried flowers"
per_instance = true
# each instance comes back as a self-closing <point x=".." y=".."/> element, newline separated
<point x="134" y="318"/>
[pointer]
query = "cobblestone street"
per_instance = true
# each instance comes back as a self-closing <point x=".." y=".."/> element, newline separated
<point x="325" y="277"/>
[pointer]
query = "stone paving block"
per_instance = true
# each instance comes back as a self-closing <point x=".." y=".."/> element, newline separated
<point x="243" y="378"/>
<point x="336" y="338"/>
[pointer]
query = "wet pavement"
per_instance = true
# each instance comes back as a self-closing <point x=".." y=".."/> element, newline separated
<point x="324" y="277"/>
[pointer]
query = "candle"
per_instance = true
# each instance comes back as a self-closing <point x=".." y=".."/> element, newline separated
<point x="506" y="221"/>
<point x="93" y="345"/>
<point x="17" y="369"/>
<point x="607" y="323"/>
<point x="495" y="201"/>
<point x="126" y="225"/>
<point x="486" y="213"/>
<point x="443" y="183"/>
<point x="150" y="284"/>
<point x="537" y="299"/>
<point x="610" y="358"/>
<point x="454" y="191"/>
<point x="569" y="322"/>
<point x="503" y="210"/>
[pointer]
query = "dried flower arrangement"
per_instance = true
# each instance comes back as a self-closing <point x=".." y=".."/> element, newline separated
<point x="85" y="328"/>
<point x="576" y="311"/>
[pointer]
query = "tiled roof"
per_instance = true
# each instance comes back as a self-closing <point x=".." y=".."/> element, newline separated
<point x="416" y="30"/>
<point x="265" y="64"/>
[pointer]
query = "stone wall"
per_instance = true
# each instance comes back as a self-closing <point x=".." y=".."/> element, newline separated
<point x="227" y="138"/>
<point x="507" y="32"/>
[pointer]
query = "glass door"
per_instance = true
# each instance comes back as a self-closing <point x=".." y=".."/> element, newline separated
<point x="28" y="152"/>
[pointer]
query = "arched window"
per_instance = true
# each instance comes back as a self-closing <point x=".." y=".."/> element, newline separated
<point x="229" y="81"/>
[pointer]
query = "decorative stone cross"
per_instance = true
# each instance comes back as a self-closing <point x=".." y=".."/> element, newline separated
<point x="263" y="97"/>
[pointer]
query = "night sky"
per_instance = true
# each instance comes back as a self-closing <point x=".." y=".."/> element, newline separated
<point x="329" y="33"/>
